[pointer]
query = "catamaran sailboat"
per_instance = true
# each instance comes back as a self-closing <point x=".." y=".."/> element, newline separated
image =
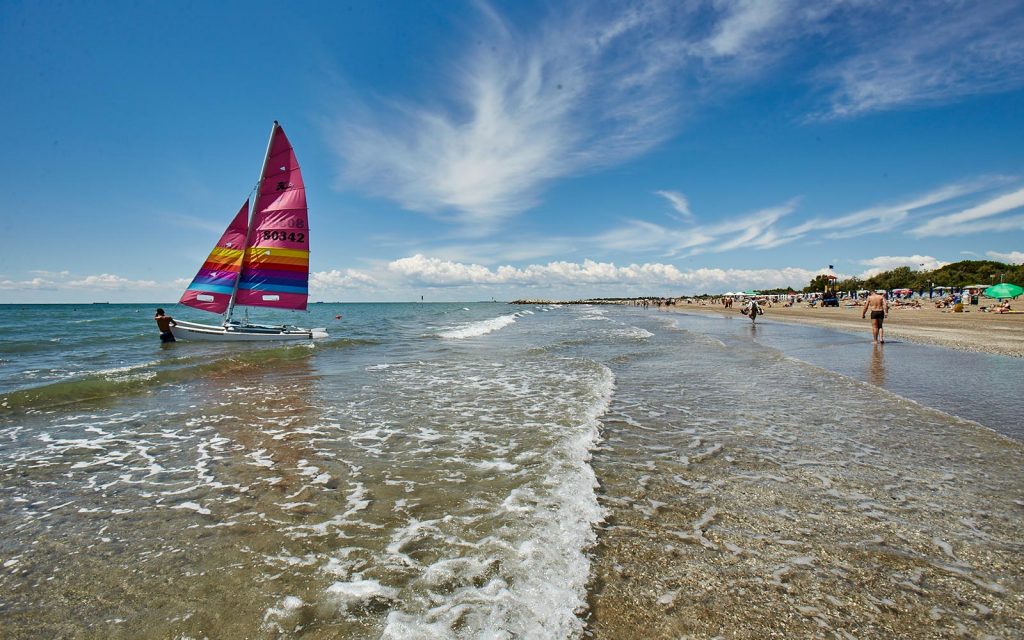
<point x="262" y="260"/>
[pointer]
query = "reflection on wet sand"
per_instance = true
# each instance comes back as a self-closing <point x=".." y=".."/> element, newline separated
<point x="876" y="370"/>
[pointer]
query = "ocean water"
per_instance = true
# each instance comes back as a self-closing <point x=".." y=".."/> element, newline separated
<point x="493" y="471"/>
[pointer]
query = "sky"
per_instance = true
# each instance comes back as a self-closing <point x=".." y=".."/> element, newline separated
<point x="466" y="151"/>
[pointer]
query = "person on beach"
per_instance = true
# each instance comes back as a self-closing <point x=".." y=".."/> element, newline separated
<point x="753" y="310"/>
<point x="164" y="324"/>
<point x="879" y="308"/>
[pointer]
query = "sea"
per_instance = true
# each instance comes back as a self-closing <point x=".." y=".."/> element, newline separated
<point x="487" y="470"/>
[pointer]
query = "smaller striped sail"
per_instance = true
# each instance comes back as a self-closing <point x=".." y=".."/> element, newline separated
<point x="275" y="270"/>
<point x="212" y="287"/>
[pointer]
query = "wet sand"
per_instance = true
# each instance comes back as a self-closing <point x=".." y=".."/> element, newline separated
<point x="861" y="516"/>
<point x="1001" y="334"/>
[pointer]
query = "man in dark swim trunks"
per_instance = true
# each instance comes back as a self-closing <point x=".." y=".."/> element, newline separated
<point x="878" y="305"/>
<point x="164" y="323"/>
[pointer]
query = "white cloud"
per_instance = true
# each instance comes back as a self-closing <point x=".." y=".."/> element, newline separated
<point x="419" y="268"/>
<point x="65" y="280"/>
<point x="424" y="270"/>
<point x="321" y="282"/>
<point x="1013" y="257"/>
<point x="512" y="250"/>
<point x="27" y="285"/>
<point x="678" y="202"/>
<point x="976" y="219"/>
<point x="927" y="263"/>
<point x="887" y="263"/>
<point x="109" y="281"/>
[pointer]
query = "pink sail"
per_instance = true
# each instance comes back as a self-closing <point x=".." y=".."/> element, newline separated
<point x="213" y="285"/>
<point x="275" y="268"/>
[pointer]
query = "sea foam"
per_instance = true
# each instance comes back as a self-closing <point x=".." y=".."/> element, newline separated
<point x="479" y="328"/>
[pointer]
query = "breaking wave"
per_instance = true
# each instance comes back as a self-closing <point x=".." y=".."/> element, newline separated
<point x="479" y="328"/>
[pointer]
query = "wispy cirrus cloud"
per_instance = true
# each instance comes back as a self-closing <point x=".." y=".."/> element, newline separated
<point x="766" y="228"/>
<point x="745" y="26"/>
<point x="754" y="230"/>
<point x="983" y="217"/>
<point x="679" y="203"/>
<point x="923" y="53"/>
<point x="600" y="84"/>
<point x="890" y="217"/>
<point x="578" y="92"/>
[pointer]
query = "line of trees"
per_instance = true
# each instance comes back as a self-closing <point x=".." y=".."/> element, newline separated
<point x="957" y="274"/>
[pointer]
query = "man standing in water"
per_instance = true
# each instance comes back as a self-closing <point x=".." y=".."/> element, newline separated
<point x="164" y="323"/>
<point x="878" y="305"/>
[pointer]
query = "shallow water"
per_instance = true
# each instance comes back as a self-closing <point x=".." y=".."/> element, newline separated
<point x="491" y="471"/>
<point x="976" y="386"/>
<point x="790" y="501"/>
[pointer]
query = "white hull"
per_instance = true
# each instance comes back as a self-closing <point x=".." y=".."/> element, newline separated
<point x="243" y="333"/>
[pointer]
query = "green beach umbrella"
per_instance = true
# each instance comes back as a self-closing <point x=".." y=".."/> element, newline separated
<point x="1003" y="290"/>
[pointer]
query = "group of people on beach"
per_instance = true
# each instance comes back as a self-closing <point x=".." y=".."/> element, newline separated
<point x="876" y="303"/>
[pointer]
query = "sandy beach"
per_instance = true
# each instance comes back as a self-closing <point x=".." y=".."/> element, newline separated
<point x="1001" y="334"/>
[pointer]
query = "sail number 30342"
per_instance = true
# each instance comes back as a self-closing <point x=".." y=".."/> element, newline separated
<point x="290" y="236"/>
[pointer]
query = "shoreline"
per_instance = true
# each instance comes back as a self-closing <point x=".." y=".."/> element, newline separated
<point x="999" y="334"/>
<point x="972" y="330"/>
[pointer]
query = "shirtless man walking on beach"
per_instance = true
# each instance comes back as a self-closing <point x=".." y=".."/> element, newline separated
<point x="879" y="308"/>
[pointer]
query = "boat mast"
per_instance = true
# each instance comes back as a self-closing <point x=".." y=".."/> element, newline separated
<point x="252" y="215"/>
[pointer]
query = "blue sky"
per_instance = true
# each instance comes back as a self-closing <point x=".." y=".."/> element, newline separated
<point x="470" y="150"/>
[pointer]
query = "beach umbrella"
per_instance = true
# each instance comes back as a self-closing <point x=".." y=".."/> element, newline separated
<point x="1003" y="290"/>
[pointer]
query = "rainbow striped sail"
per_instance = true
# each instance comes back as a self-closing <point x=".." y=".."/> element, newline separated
<point x="214" y="284"/>
<point x="275" y="269"/>
<point x="262" y="260"/>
